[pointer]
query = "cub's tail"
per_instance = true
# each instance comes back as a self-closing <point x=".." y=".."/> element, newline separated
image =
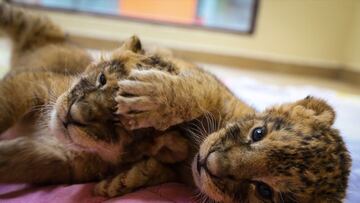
<point x="27" y="30"/>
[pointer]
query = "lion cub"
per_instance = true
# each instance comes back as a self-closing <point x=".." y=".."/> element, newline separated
<point x="64" y="105"/>
<point x="288" y="153"/>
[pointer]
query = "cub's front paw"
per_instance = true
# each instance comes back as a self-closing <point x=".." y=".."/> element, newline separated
<point x="146" y="99"/>
<point x="144" y="173"/>
<point x="112" y="187"/>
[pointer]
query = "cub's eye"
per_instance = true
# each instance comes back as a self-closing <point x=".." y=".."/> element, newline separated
<point x="258" y="134"/>
<point x="264" y="190"/>
<point x="102" y="79"/>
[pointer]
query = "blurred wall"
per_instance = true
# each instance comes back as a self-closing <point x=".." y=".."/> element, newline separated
<point x="352" y="57"/>
<point x="324" y="33"/>
<point x="314" y="31"/>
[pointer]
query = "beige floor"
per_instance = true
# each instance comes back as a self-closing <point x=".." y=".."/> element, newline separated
<point x="286" y="79"/>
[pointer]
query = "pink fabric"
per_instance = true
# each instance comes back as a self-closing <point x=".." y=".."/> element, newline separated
<point x="22" y="193"/>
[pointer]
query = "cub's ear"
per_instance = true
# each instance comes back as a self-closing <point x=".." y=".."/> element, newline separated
<point x="132" y="44"/>
<point x="318" y="108"/>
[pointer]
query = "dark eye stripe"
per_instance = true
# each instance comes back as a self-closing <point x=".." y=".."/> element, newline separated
<point x="233" y="131"/>
<point x="278" y="123"/>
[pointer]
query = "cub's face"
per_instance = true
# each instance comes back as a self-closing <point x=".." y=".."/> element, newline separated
<point x="289" y="153"/>
<point x="83" y="116"/>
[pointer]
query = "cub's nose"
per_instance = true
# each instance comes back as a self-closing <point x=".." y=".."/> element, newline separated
<point x="76" y="114"/>
<point x="217" y="164"/>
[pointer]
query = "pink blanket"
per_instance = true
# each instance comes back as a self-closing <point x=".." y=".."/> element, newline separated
<point x="22" y="193"/>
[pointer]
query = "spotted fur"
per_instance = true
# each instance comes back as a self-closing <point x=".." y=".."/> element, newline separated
<point x="302" y="157"/>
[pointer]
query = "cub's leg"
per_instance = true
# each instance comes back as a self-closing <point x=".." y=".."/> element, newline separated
<point x="42" y="160"/>
<point x="28" y="30"/>
<point x="30" y="160"/>
<point x="144" y="173"/>
<point x="155" y="98"/>
<point x="27" y="92"/>
<point x="39" y="44"/>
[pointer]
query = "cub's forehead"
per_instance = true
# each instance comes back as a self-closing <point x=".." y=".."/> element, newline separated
<point x="93" y="69"/>
<point x="265" y="118"/>
<point x="119" y="63"/>
<point x="113" y="68"/>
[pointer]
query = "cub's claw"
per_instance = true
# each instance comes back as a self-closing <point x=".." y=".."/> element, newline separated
<point x="135" y="88"/>
<point x="134" y="105"/>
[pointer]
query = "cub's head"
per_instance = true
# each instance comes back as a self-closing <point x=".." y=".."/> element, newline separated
<point x="84" y="115"/>
<point x="288" y="153"/>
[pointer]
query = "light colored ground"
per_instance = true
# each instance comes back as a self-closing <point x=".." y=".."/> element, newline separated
<point x="285" y="79"/>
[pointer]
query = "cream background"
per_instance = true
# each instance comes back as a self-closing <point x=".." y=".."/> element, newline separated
<point x="315" y="32"/>
<point x="353" y="50"/>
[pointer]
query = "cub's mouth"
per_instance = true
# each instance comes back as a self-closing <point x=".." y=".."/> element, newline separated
<point x="201" y="166"/>
<point x="204" y="180"/>
<point x="62" y="130"/>
<point x="200" y="171"/>
<point x="74" y="137"/>
<point x="69" y="130"/>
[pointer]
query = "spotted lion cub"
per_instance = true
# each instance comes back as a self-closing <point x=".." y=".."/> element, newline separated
<point x="288" y="153"/>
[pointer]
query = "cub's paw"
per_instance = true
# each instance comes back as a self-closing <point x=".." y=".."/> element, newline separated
<point x="143" y="173"/>
<point x="112" y="187"/>
<point x="146" y="99"/>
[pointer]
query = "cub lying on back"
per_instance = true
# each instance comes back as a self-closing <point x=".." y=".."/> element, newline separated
<point x="288" y="153"/>
<point x="63" y="104"/>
